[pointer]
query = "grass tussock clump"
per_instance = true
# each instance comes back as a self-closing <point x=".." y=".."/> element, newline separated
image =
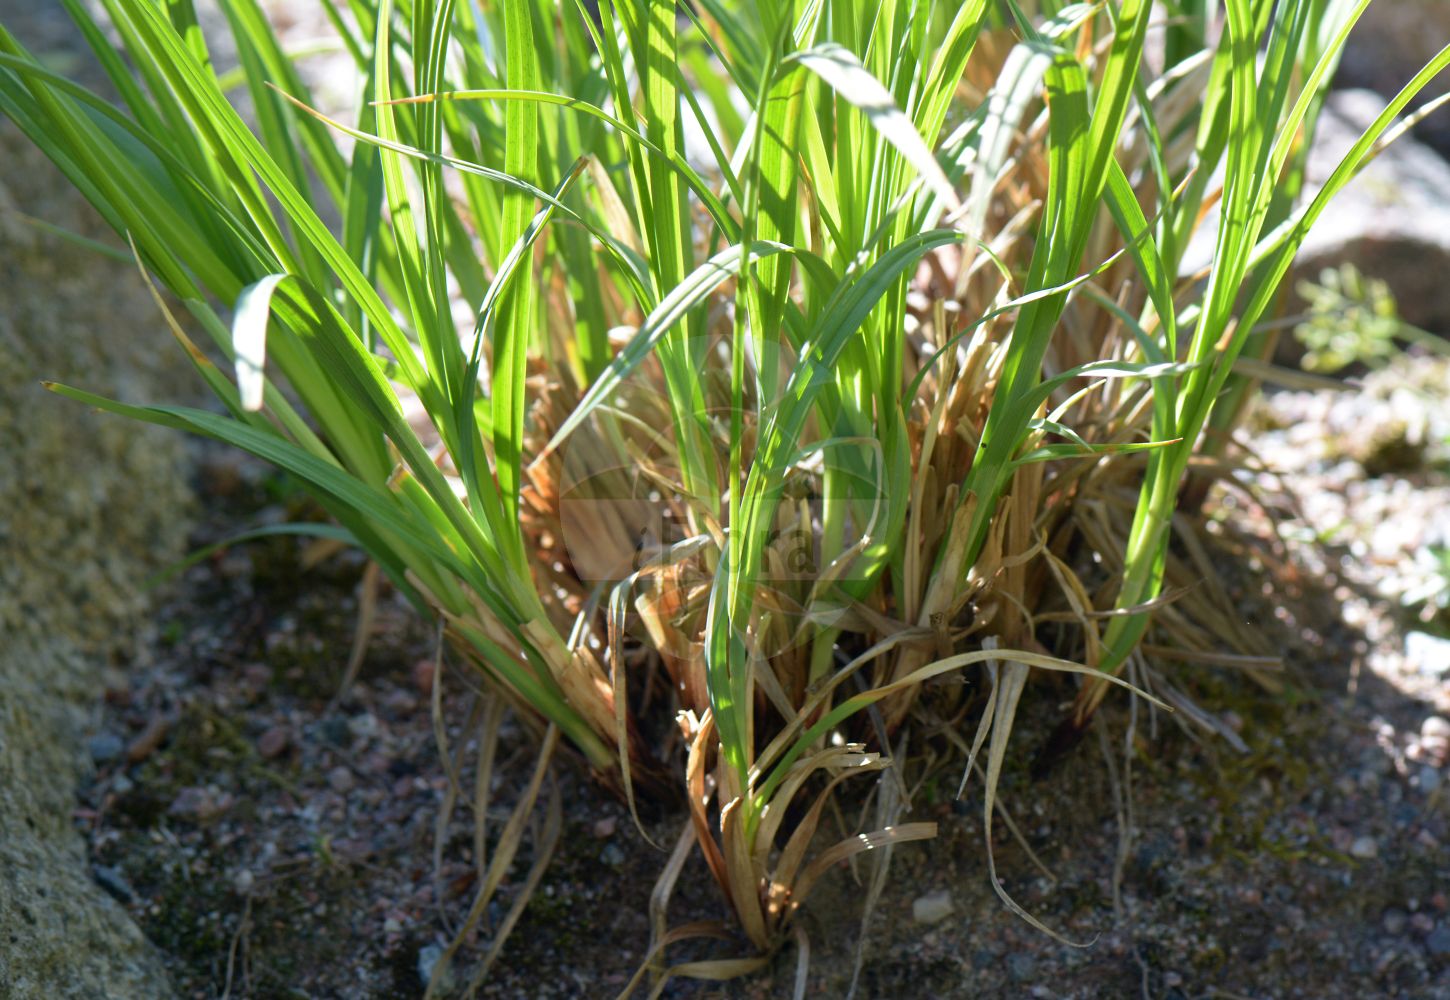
<point x="721" y="375"/>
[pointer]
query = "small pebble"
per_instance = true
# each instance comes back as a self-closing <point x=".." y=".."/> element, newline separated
<point x="1422" y="924"/>
<point x="1435" y="741"/>
<point x="423" y="676"/>
<point x="114" y="883"/>
<point x="1020" y="966"/>
<point x="105" y="747"/>
<point x="364" y="726"/>
<point x="188" y="802"/>
<point x="1394" y="921"/>
<point x="1364" y="847"/>
<point x="200" y="804"/>
<point x="1429" y="654"/>
<point x="400" y="702"/>
<point x="428" y="957"/>
<point x="340" y="780"/>
<point x="604" y="828"/>
<point x="272" y="742"/>
<point x="1429" y="780"/>
<point x="257" y="675"/>
<point x="1438" y="942"/>
<point x="932" y="908"/>
<point x="612" y="855"/>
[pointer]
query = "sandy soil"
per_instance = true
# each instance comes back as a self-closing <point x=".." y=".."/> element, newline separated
<point x="276" y="841"/>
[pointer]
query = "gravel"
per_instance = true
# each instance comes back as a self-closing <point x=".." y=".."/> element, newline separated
<point x="1237" y="878"/>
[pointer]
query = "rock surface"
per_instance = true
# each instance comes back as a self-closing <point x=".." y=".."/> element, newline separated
<point x="1392" y="221"/>
<point x="1392" y="41"/>
<point x="89" y="505"/>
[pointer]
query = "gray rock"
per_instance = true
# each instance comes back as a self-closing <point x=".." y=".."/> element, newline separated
<point x="1391" y="222"/>
<point x="1365" y="847"/>
<point x="89" y="506"/>
<point x="1389" y="44"/>
<point x="1429" y="780"/>
<point x="1394" y="921"/>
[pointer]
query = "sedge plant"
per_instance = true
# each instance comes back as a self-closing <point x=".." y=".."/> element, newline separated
<point x="722" y="376"/>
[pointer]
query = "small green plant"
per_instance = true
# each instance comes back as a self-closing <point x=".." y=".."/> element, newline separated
<point x="1430" y="597"/>
<point x="1351" y="319"/>
<point x="764" y="436"/>
<point x="1354" y="319"/>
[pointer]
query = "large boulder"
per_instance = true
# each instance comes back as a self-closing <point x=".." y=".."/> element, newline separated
<point x="1392" y="221"/>
<point x="89" y="506"/>
<point x="1392" y="40"/>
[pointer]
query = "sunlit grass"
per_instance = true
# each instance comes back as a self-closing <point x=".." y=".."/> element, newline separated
<point x="895" y="377"/>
